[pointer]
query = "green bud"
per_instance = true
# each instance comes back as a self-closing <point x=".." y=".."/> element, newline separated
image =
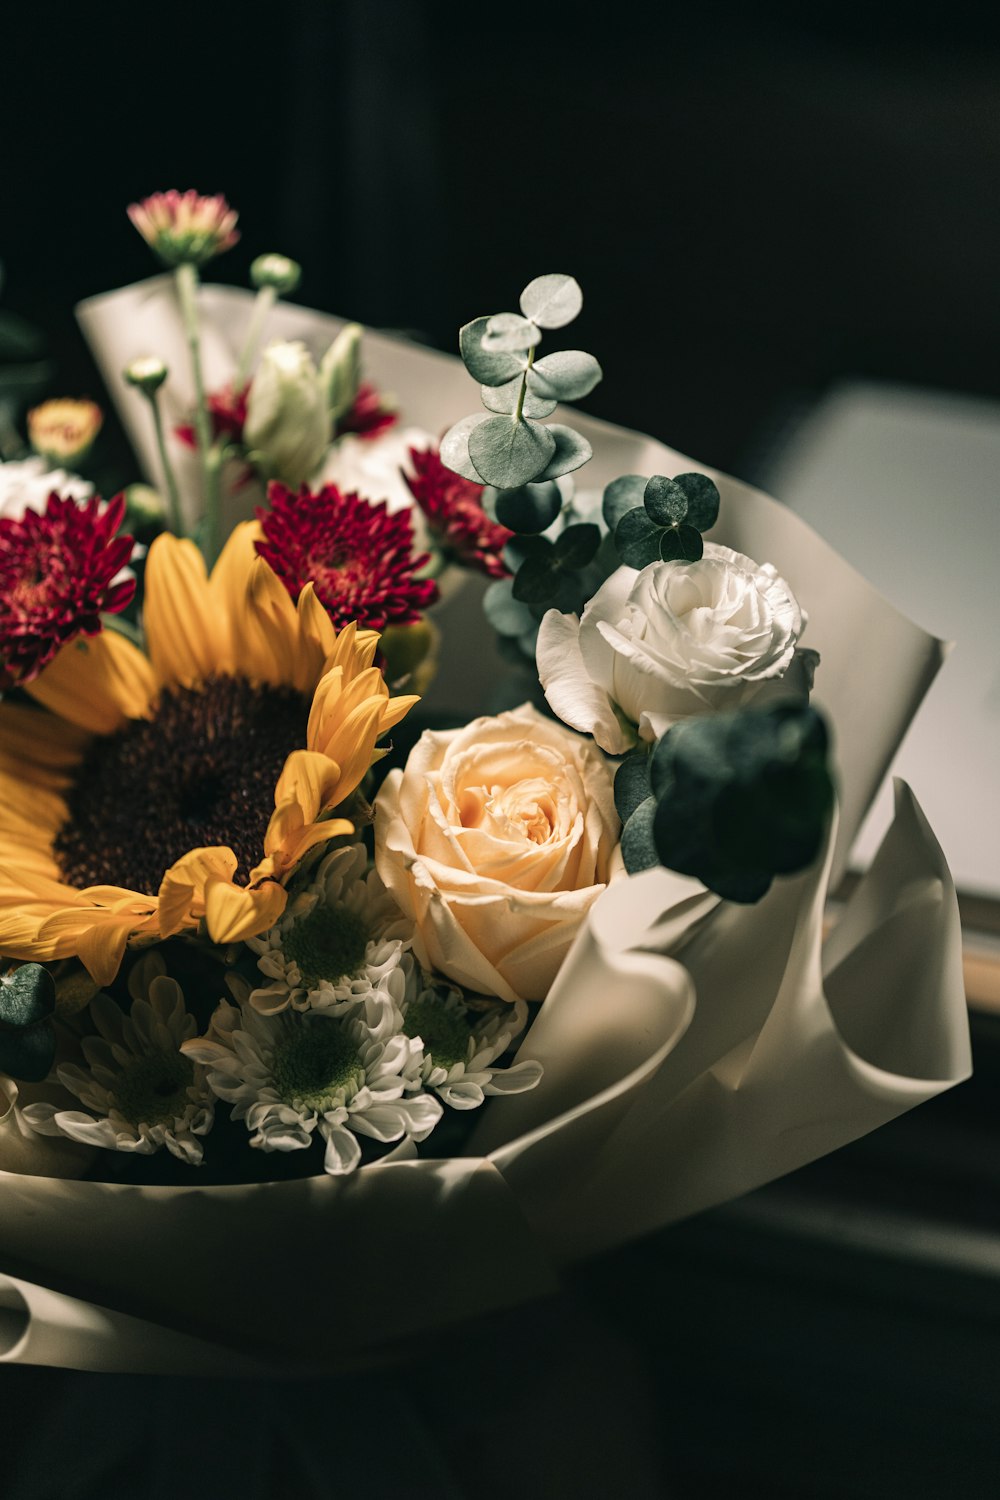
<point x="277" y="271"/>
<point x="147" y="374"/>
<point x="287" y="427"/>
<point x="144" y="504"/>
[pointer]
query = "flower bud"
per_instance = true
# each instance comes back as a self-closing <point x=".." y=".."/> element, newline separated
<point x="147" y="373"/>
<point x="287" y="426"/>
<point x="277" y="271"/>
<point x="63" y="431"/>
<point x="185" y="227"/>
<point x="144" y="505"/>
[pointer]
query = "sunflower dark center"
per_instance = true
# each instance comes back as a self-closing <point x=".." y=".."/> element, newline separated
<point x="200" y="772"/>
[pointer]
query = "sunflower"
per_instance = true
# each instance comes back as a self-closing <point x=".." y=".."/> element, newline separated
<point x="148" y="793"/>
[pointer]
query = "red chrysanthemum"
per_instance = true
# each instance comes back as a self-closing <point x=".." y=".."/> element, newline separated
<point x="357" y="556"/>
<point x="454" y="510"/>
<point x="367" y="417"/>
<point x="58" y="573"/>
<point x="227" y="412"/>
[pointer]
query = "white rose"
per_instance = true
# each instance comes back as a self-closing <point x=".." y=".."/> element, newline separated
<point x="673" y="640"/>
<point x="373" y="467"/>
<point x="496" y="841"/>
<point x="287" y="423"/>
<point x="27" y="483"/>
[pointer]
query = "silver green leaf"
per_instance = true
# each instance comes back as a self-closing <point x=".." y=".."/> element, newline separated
<point x="703" y="499"/>
<point x="552" y="301"/>
<point x="571" y="451"/>
<point x="503" y="399"/>
<point x="486" y="367"/>
<point x="455" y="446"/>
<point x="665" y="501"/>
<point x="623" y="494"/>
<point x="638" y="846"/>
<point x="508" y="453"/>
<point x="567" y="375"/>
<point x="507" y="332"/>
<point x="507" y="615"/>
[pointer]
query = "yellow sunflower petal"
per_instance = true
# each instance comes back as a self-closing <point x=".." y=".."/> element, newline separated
<point x="33" y="743"/>
<point x="181" y="896"/>
<point x="228" y="583"/>
<point x="234" y="912"/>
<point x="35" y="805"/>
<point x="98" y="683"/>
<point x="98" y="938"/>
<point x="188" y="637"/>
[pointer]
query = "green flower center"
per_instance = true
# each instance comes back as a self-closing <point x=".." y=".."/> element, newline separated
<point x="443" y="1031"/>
<point x="152" y="1090"/>
<point x="316" y="1066"/>
<point x="327" y="945"/>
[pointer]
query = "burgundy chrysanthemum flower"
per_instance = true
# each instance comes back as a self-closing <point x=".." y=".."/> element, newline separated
<point x="367" y="417"/>
<point x="358" y="557"/>
<point x="227" y="412"/>
<point x="455" y="514"/>
<point x="58" y="572"/>
<point x="185" y="227"/>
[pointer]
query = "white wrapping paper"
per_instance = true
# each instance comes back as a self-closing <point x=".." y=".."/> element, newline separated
<point x="693" y="1049"/>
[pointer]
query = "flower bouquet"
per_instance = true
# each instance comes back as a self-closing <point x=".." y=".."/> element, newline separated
<point x="316" y="950"/>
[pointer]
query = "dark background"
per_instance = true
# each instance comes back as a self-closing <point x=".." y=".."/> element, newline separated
<point x="758" y="198"/>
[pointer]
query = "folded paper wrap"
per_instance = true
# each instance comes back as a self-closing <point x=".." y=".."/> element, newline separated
<point x="693" y="1049"/>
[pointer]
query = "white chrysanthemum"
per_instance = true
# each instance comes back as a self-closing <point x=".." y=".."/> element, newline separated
<point x="140" y="1089"/>
<point x="302" y="1073"/>
<point x="26" y="484"/>
<point x="459" y="1046"/>
<point x="338" y="940"/>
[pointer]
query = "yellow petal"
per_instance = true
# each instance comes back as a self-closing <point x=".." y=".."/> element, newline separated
<point x="234" y="912"/>
<point x="98" y="683"/>
<point x="39" y="744"/>
<point x="181" y="897"/>
<point x="188" y="638"/>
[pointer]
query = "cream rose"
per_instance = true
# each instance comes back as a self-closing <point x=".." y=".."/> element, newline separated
<point x="496" y="840"/>
<point x="673" y="640"/>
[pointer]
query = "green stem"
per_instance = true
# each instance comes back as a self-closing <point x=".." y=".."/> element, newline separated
<point x="211" y="537"/>
<point x="524" y="385"/>
<point x="186" y="276"/>
<point x="266" y="298"/>
<point x="169" y="478"/>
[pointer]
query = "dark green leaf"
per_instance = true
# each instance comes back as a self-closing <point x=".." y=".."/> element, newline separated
<point x="703" y="499"/>
<point x="537" y="581"/>
<point x="28" y="1054"/>
<point x="27" y="995"/>
<point x="521" y="547"/>
<point x="571" y="451"/>
<point x="665" y="501"/>
<point x="638" y="845"/>
<point x="681" y="544"/>
<point x="529" y="509"/>
<point x="508" y="453"/>
<point x="505" y="613"/>
<point x="621" y="496"/>
<point x="486" y="367"/>
<point x="631" y="783"/>
<point x="637" y="539"/>
<point x="567" y="375"/>
<point x="577" y="545"/>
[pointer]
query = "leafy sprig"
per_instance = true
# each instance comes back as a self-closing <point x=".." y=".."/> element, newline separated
<point x="660" y="519"/>
<point x="508" y="446"/>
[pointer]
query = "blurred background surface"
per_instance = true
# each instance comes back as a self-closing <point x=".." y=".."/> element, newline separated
<point x="786" y="222"/>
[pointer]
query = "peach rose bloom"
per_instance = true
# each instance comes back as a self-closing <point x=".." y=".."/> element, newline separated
<point x="496" y="841"/>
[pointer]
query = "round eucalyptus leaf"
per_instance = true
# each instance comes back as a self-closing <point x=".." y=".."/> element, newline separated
<point x="530" y="509"/>
<point x="537" y="581"/>
<point x="631" y="783"/>
<point x="702" y="498"/>
<point x="27" y="995"/>
<point x="638" y="846"/>
<point x="665" y="501"/>
<point x="521" y="547"/>
<point x="552" y="301"/>
<point x="681" y="544"/>
<point x="572" y="451"/>
<point x="567" y="375"/>
<point x="503" y="399"/>
<point x="483" y="365"/>
<point x="508" y="332"/>
<point x="621" y="496"/>
<point x="28" y="1054"/>
<point x="455" y="446"/>
<point x="507" y="615"/>
<point x="577" y="546"/>
<point x="637" y="539"/>
<point x="508" y="453"/>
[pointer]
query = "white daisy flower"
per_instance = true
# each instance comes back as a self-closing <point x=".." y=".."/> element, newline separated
<point x="338" y="940"/>
<point x="302" y="1073"/>
<point x="141" y="1092"/>
<point x="459" y="1046"/>
<point x="26" y="484"/>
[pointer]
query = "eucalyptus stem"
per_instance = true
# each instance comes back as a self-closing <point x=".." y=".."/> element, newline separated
<point x="187" y="290"/>
<point x="524" y="385"/>
<point x="263" y="303"/>
<point x="169" y="477"/>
